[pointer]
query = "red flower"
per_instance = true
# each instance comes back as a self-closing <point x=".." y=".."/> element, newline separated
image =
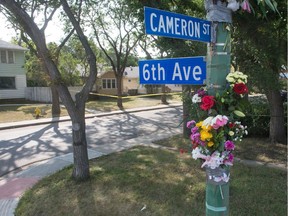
<point x="231" y="125"/>
<point x="207" y="102"/>
<point x="240" y="88"/>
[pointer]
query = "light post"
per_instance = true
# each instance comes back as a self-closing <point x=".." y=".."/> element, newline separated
<point x="218" y="66"/>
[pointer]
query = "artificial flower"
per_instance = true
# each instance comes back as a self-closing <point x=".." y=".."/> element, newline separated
<point x="205" y="135"/>
<point x="190" y="123"/>
<point x="229" y="145"/>
<point x="219" y="121"/>
<point x="240" y="88"/>
<point x="210" y="143"/>
<point x="231" y="133"/>
<point x="246" y="6"/>
<point x="208" y="121"/>
<point x="207" y="102"/>
<point x="196" y="99"/>
<point x="212" y="137"/>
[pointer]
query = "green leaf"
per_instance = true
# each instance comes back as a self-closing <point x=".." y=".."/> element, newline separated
<point x="270" y="5"/>
<point x="239" y="113"/>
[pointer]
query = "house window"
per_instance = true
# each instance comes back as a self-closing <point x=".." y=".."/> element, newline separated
<point x="10" y="57"/>
<point x="109" y="83"/>
<point x="7" y="56"/>
<point x="7" y="83"/>
<point x="3" y="56"/>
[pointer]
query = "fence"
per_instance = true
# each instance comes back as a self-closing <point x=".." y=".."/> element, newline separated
<point x="43" y="94"/>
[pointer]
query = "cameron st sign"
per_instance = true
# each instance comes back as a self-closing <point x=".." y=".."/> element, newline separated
<point x="167" y="24"/>
<point x="185" y="71"/>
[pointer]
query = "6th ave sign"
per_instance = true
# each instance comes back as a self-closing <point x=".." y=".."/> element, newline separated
<point x="191" y="70"/>
<point x="163" y="23"/>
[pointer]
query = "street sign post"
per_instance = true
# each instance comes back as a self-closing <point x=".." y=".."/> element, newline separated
<point x="173" y="25"/>
<point x="186" y="71"/>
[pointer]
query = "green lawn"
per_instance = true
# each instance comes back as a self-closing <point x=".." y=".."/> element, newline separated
<point x="160" y="182"/>
<point x="251" y="148"/>
<point x="103" y="104"/>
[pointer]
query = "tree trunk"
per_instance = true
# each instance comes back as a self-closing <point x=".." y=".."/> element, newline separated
<point x="119" y="92"/>
<point x="80" y="152"/>
<point x="277" y="123"/>
<point x="55" y="102"/>
<point x="163" y="96"/>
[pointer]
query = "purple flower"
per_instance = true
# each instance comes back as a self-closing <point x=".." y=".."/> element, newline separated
<point x="194" y="130"/>
<point x="201" y="92"/>
<point x="229" y="145"/>
<point x="189" y="124"/>
<point x="230" y="158"/>
<point x="195" y="137"/>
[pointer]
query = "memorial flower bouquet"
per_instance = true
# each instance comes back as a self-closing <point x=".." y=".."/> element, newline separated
<point x="216" y="127"/>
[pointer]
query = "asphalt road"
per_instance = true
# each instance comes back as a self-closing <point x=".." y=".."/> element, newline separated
<point x="26" y="145"/>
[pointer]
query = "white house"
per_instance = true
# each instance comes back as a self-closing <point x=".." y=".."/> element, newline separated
<point x="12" y="72"/>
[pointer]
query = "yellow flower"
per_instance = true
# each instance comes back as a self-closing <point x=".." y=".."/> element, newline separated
<point x="199" y="124"/>
<point x="210" y="144"/>
<point x="207" y="128"/>
<point x="205" y="135"/>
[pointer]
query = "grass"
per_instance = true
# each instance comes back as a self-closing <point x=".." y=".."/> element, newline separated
<point x="160" y="182"/>
<point x="250" y="149"/>
<point x="26" y="112"/>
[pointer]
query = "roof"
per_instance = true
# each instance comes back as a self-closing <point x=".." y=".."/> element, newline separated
<point x="10" y="46"/>
<point x="131" y="72"/>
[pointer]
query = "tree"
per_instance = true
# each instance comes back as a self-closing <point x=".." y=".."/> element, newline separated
<point x="260" y="50"/>
<point x="114" y="30"/>
<point x="20" y="12"/>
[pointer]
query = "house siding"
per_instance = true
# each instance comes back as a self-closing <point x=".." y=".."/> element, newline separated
<point x="16" y="70"/>
<point x="133" y="84"/>
<point x="19" y="92"/>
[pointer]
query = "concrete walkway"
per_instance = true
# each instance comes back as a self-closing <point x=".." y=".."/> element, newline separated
<point x="14" y="184"/>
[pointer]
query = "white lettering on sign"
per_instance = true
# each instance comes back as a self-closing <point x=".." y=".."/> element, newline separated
<point x="206" y="28"/>
<point x="177" y="73"/>
<point x="156" y="73"/>
<point x="178" y="26"/>
<point x="197" y="71"/>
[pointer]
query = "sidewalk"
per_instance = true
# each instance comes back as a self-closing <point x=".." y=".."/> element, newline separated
<point x="13" y="185"/>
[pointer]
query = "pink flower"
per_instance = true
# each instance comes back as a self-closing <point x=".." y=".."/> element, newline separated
<point x="229" y="145"/>
<point x="219" y="121"/>
<point x="230" y="159"/>
<point x="246" y="6"/>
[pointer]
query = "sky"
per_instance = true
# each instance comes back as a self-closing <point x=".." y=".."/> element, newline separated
<point x="53" y="33"/>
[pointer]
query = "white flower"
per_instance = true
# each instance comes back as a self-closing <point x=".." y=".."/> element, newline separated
<point x="196" y="153"/>
<point x="231" y="133"/>
<point x="208" y="121"/>
<point x="196" y="99"/>
<point x="230" y="79"/>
